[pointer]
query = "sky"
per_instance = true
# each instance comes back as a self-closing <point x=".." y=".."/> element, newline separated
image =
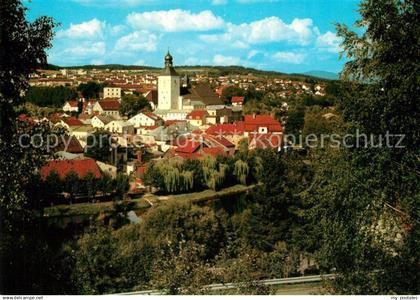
<point x="280" y="35"/>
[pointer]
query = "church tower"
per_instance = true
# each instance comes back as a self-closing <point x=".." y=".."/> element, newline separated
<point x="168" y="86"/>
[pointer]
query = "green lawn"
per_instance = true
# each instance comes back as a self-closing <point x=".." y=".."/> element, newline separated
<point x="142" y="202"/>
<point x="90" y="208"/>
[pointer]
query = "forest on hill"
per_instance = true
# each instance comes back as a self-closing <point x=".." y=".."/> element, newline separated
<point x="210" y="70"/>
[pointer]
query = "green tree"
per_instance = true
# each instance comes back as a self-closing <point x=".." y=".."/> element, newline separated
<point x="106" y="184"/>
<point x="181" y="271"/>
<point x="108" y="261"/>
<point x="232" y="91"/>
<point x="90" y="90"/>
<point x="72" y="184"/>
<point x="295" y="119"/>
<point x="359" y="190"/>
<point x="54" y="185"/>
<point x="132" y="104"/>
<point x="122" y="185"/>
<point x="50" y="96"/>
<point x="22" y="52"/>
<point x="99" y="145"/>
<point x="90" y="185"/>
<point x="241" y="171"/>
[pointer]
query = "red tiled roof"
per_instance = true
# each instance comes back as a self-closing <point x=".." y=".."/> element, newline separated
<point x="81" y="167"/>
<point x="214" y="151"/>
<point x="25" y="118"/>
<point x="171" y="122"/>
<point x="265" y="140"/>
<point x="151" y="115"/>
<point x="238" y="99"/>
<point x="253" y="122"/>
<point x="69" y="144"/>
<point x="223" y="141"/>
<point x="197" y="114"/>
<point x="151" y="96"/>
<point x="72" y="121"/>
<point x="187" y="146"/>
<point x="110" y="104"/>
<point x="226" y="129"/>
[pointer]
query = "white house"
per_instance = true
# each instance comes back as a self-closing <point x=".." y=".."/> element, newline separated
<point x="238" y="100"/>
<point x="108" y="107"/>
<point x="71" y="106"/>
<point x="120" y="126"/>
<point x="100" y="121"/>
<point x="81" y="133"/>
<point x="144" y="119"/>
<point x="197" y="117"/>
<point x="112" y="92"/>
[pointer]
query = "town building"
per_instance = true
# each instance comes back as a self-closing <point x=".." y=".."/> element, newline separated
<point x="109" y="107"/>
<point x="169" y="87"/>
<point x="112" y="92"/>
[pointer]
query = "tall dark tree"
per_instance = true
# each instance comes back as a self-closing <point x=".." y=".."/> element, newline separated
<point x="367" y="200"/>
<point x="22" y="52"/>
<point x="132" y="104"/>
<point x="50" y="96"/>
<point x="90" y="90"/>
<point x="232" y="91"/>
<point x="99" y="145"/>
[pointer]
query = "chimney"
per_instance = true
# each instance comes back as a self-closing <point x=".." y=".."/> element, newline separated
<point x="254" y="115"/>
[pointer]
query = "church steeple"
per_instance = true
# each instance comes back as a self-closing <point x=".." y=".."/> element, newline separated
<point x="169" y="86"/>
<point x="169" y="67"/>
<point x="168" y="60"/>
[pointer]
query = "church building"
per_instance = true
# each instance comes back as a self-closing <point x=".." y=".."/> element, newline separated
<point x="174" y="106"/>
<point x="169" y="99"/>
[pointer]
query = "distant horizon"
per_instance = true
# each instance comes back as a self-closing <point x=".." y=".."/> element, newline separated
<point x="201" y="66"/>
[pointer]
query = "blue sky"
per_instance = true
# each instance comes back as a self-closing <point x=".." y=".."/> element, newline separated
<point x="282" y="35"/>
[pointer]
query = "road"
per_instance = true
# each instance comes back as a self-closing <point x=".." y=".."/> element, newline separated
<point x="227" y="286"/>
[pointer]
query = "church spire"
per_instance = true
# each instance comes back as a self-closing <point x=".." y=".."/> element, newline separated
<point x="169" y="68"/>
<point x="168" y="60"/>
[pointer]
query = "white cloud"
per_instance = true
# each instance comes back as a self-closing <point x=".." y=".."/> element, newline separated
<point x="86" y="49"/>
<point x="289" y="57"/>
<point x="272" y="29"/>
<point x="252" y="53"/>
<point x="329" y="42"/>
<point x="222" y="60"/>
<point x="117" y="29"/>
<point x="86" y="30"/>
<point x="219" y="2"/>
<point x="136" y="41"/>
<point x="175" y="20"/>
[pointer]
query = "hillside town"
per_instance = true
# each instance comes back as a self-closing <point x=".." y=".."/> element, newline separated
<point x="187" y="117"/>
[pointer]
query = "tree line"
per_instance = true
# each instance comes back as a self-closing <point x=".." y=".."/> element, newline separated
<point x="88" y="187"/>
<point x="176" y="175"/>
